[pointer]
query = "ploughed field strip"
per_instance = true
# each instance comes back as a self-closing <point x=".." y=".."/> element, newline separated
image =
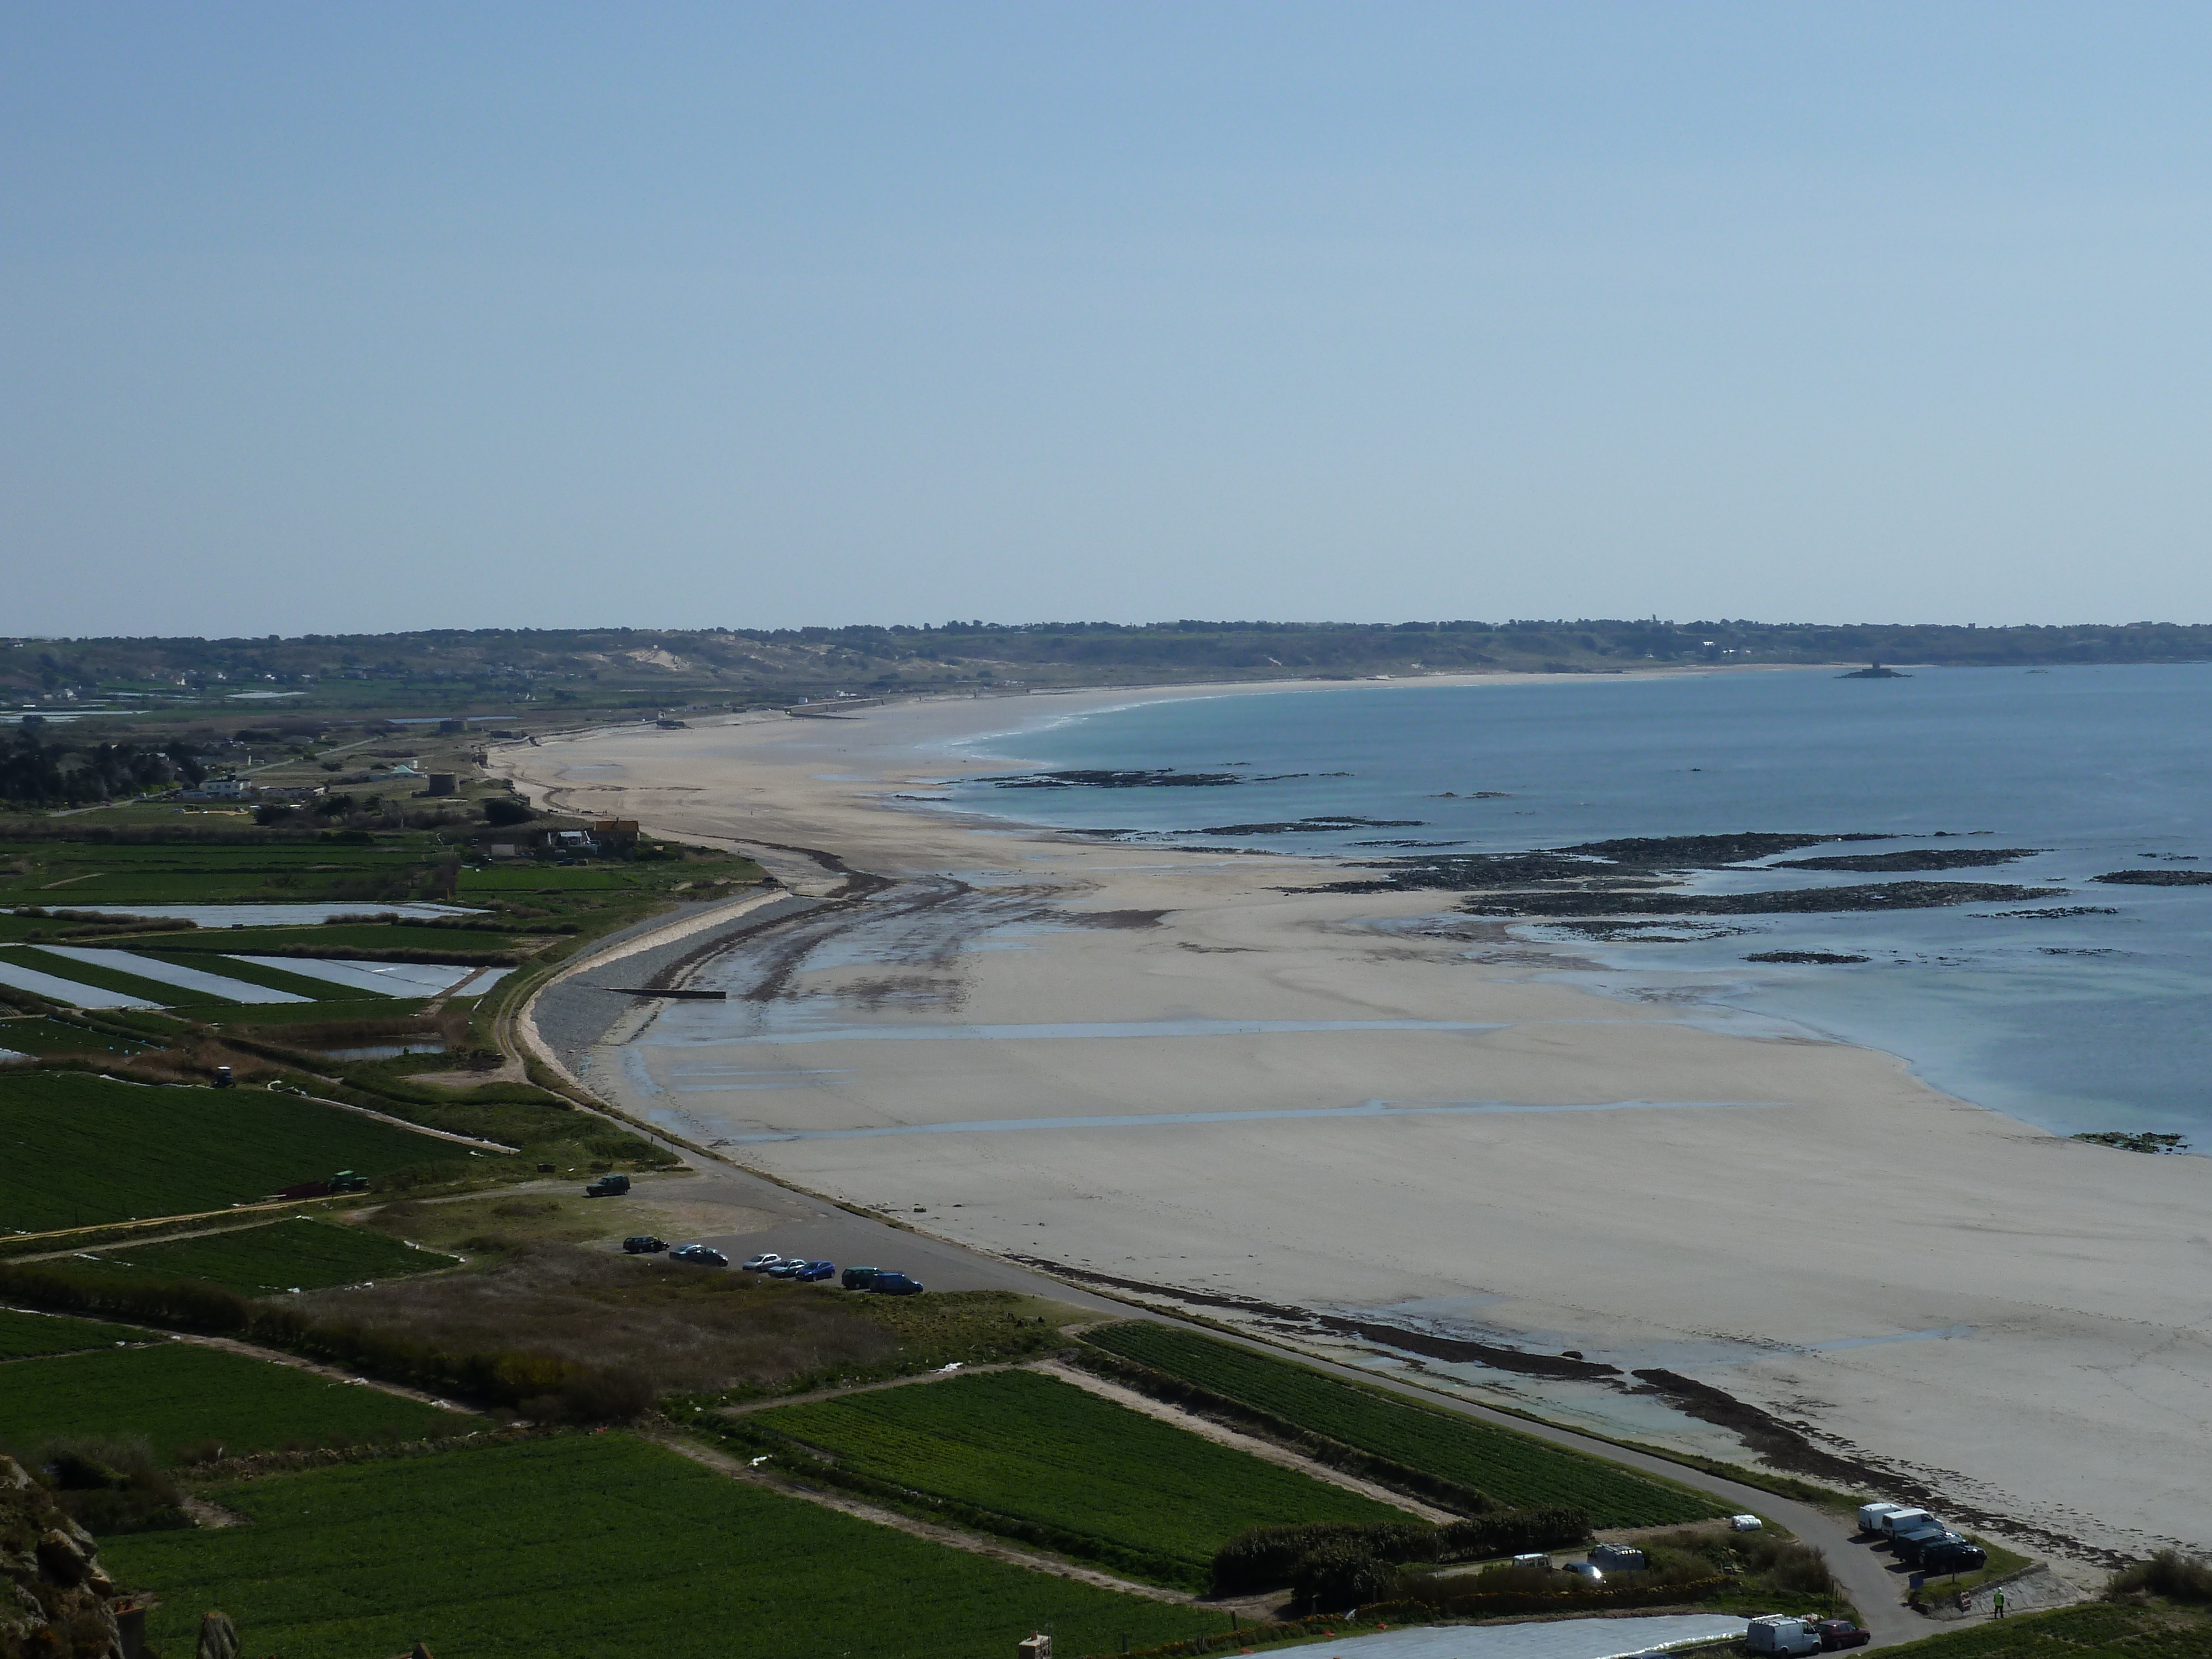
<point x="1517" y="1470"/>
<point x="295" y="1254"/>
<point x="603" y="1544"/>
<point x="1034" y="1458"/>
<point x="84" y="1149"/>
<point x="183" y="1398"/>
<point x="24" y="1335"/>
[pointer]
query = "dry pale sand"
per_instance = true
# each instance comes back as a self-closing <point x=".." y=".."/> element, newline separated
<point x="2015" y="1318"/>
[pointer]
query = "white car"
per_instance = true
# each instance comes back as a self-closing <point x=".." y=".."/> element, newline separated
<point x="762" y="1263"/>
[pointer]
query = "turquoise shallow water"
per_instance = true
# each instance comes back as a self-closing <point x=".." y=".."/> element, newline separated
<point x="2086" y="1022"/>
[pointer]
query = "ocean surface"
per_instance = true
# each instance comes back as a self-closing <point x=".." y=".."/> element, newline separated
<point x="2085" y="1022"/>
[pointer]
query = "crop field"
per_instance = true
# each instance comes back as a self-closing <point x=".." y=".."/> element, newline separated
<point x="1515" y="1469"/>
<point x="2094" y="1631"/>
<point x="349" y="1006"/>
<point x="84" y="1149"/>
<point x="297" y="1255"/>
<point x="179" y="1395"/>
<point x="62" y="874"/>
<point x="576" y="1547"/>
<point x="25" y="1334"/>
<point x="36" y="1036"/>
<point x="1035" y="1449"/>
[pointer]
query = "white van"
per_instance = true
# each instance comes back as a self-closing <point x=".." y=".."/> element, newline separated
<point x="1871" y="1514"/>
<point x="1774" y="1633"/>
<point x="1903" y="1521"/>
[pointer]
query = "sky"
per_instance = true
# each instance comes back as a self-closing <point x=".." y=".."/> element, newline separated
<point x="345" y="318"/>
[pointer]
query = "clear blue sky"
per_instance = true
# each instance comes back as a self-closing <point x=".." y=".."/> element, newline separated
<point x="366" y="316"/>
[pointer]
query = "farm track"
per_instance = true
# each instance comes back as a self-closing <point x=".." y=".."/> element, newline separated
<point x="779" y="1401"/>
<point x="974" y="1544"/>
<point x="1265" y="1450"/>
<point x="275" y="1356"/>
<point x="166" y="1238"/>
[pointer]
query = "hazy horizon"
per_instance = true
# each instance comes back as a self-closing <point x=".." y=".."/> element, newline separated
<point x="346" y="319"/>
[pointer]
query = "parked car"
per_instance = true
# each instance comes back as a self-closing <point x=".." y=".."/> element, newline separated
<point x="762" y="1262"/>
<point x="699" y="1255"/>
<point x="815" y="1270"/>
<point x="1585" y="1570"/>
<point x="643" y="1244"/>
<point x="1953" y="1555"/>
<point x="1871" y="1514"/>
<point x="1777" y="1633"/>
<point x="857" y="1279"/>
<point x="608" y="1186"/>
<point x="1842" y="1633"/>
<point x="1909" y="1547"/>
<point x="1745" y="1523"/>
<point x="1618" y="1558"/>
<point x="894" y="1284"/>
<point x="790" y="1267"/>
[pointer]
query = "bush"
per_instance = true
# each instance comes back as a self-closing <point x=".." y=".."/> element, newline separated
<point x="1342" y="1573"/>
<point x="502" y="811"/>
<point x="1266" y="1558"/>
<point x="109" y="1487"/>
<point x="2169" y="1573"/>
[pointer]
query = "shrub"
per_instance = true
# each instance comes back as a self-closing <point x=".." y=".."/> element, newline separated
<point x="109" y="1487"/>
<point x="2168" y="1573"/>
<point x="1342" y="1573"/>
<point x="501" y="811"/>
<point x="1266" y="1558"/>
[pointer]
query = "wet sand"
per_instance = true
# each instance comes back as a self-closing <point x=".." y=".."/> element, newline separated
<point x="1154" y="1066"/>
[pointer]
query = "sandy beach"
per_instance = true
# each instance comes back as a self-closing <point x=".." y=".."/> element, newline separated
<point x="1155" y="1066"/>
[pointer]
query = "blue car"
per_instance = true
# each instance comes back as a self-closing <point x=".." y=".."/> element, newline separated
<point x="887" y="1283"/>
<point x="815" y="1270"/>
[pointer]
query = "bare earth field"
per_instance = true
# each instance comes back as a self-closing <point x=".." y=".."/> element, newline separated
<point x="1153" y="1065"/>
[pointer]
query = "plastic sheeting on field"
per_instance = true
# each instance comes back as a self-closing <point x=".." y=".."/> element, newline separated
<point x="168" y="973"/>
<point x="384" y="978"/>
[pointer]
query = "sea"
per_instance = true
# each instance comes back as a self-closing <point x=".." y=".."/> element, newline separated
<point x="2081" y="1012"/>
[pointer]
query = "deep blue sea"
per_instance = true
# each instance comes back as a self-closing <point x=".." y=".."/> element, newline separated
<point x="2083" y="1021"/>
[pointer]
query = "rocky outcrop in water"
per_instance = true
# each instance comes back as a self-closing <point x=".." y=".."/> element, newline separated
<point x="1881" y="896"/>
<point x="2157" y="877"/>
<point x="1806" y="957"/>
<point x="1913" y="858"/>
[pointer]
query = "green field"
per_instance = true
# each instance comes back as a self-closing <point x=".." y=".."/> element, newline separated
<point x="590" y="1545"/>
<point x="23" y="1334"/>
<point x="347" y="1005"/>
<point x="1518" y="1471"/>
<point x="1035" y="1449"/>
<point x="2094" y="1631"/>
<point x="180" y="1395"/>
<point x="297" y="1255"/>
<point x="55" y="1036"/>
<point x="84" y="1149"/>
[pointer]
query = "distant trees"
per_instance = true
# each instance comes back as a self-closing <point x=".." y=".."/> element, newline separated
<point x="36" y="770"/>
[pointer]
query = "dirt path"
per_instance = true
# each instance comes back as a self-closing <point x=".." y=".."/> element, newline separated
<point x="1221" y="1435"/>
<point x="860" y="1387"/>
<point x="246" y="1350"/>
<point x="974" y="1544"/>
